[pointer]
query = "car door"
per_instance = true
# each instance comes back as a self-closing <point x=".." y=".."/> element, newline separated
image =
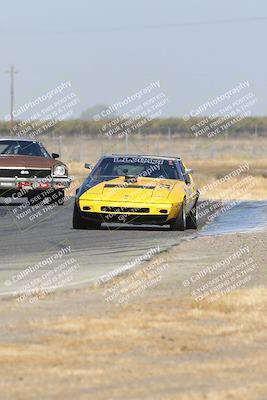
<point x="190" y="190"/>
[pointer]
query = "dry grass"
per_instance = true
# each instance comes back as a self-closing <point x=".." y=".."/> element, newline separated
<point x="89" y="149"/>
<point x="242" y="302"/>
<point x="146" y="351"/>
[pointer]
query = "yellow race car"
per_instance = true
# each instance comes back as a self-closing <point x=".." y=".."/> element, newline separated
<point x="137" y="189"/>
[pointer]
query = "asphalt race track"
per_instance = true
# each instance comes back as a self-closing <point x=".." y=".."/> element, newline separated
<point x="39" y="247"/>
<point x="31" y="242"/>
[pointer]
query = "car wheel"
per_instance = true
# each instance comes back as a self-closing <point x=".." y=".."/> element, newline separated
<point x="79" y="223"/>
<point x="191" y="219"/>
<point x="179" y="223"/>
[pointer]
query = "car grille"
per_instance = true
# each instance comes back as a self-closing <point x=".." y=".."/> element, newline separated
<point x="11" y="173"/>
<point x="125" y="209"/>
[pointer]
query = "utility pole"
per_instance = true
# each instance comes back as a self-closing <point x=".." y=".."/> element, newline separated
<point x="11" y="72"/>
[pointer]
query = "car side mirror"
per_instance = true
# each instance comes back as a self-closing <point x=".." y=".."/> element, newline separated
<point x="187" y="176"/>
<point x="187" y="179"/>
<point x="88" y="166"/>
<point x="188" y="171"/>
<point x="55" y="155"/>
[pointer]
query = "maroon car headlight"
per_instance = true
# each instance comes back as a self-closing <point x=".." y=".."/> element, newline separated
<point x="60" y="170"/>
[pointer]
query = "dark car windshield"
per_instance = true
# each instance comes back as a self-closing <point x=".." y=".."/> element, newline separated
<point x="23" y="148"/>
<point x="136" y="166"/>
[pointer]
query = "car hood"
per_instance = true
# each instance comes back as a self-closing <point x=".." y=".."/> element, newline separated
<point x="27" y="161"/>
<point x="141" y="190"/>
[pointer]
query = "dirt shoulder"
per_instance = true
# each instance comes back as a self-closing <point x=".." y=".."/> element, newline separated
<point x="123" y="340"/>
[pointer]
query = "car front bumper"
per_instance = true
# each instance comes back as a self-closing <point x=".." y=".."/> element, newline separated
<point x="7" y="184"/>
<point x="134" y="212"/>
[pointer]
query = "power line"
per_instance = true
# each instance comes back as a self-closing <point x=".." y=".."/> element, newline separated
<point x="171" y="25"/>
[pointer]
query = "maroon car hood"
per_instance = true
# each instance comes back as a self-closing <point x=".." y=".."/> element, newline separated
<point x="27" y="161"/>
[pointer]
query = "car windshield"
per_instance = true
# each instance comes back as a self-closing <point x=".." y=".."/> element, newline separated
<point x="22" y="148"/>
<point x="136" y="166"/>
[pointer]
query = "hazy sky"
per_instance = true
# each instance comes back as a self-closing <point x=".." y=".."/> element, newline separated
<point x="110" y="49"/>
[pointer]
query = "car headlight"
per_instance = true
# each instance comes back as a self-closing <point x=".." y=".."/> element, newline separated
<point x="60" y="170"/>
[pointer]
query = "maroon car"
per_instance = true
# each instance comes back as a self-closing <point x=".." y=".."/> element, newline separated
<point x="28" y="170"/>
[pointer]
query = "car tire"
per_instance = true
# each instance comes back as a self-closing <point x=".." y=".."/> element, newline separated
<point x="191" y="219"/>
<point x="79" y="223"/>
<point x="179" y="223"/>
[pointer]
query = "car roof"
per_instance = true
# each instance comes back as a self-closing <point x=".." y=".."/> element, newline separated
<point x="144" y="155"/>
<point x="19" y="139"/>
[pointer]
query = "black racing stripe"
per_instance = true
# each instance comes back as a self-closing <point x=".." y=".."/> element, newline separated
<point x="122" y="186"/>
